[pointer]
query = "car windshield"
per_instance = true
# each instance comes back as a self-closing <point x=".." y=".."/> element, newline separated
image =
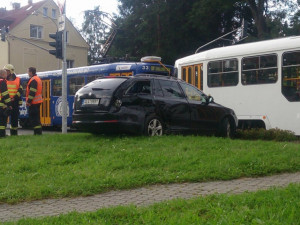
<point x="105" y="87"/>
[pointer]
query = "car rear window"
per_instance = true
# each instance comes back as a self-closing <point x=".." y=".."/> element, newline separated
<point x="105" y="86"/>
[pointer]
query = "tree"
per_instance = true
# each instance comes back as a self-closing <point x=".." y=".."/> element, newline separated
<point x="95" y="29"/>
<point x="168" y="27"/>
<point x="175" y="28"/>
<point x="270" y="13"/>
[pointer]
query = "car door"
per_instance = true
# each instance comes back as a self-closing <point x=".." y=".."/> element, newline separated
<point x="137" y="102"/>
<point x="171" y="104"/>
<point x="204" y="116"/>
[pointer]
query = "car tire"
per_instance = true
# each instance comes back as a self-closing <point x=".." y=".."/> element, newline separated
<point x="153" y="126"/>
<point x="226" y="129"/>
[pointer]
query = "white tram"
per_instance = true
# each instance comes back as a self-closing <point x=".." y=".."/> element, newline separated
<point x="259" y="80"/>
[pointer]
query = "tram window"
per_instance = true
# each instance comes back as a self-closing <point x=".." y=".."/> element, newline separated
<point x="223" y="73"/>
<point x="259" y="70"/>
<point x="56" y="87"/>
<point x="189" y="75"/>
<point x="215" y="67"/>
<point x="75" y="83"/>
<point x="291" y="58"/>
<point x="250" y="63"/>
<point x="290" y="85"/>
<point x="92" y="78"/>
<point x="184" y="74"/>
<point x="24" y="86"/>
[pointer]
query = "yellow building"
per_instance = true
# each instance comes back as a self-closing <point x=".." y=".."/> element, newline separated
<point x="27" y="42"/>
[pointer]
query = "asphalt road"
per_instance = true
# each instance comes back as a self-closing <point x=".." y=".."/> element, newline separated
<point x="30" y="132"/>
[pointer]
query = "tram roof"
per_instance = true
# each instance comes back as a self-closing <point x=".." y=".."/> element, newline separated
<point x="253" y="48"/>
<point x="118" y="66"/>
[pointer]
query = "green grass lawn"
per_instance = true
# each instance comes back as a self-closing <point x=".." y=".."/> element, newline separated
<point x="54" y="166"/>
<point x="273" y="207"/>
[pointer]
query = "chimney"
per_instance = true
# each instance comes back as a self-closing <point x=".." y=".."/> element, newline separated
<point x="16" y="5"/>
<point x="29" y="2"/>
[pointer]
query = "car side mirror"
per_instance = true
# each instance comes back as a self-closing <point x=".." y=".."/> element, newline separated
<point x="209" y="99"/>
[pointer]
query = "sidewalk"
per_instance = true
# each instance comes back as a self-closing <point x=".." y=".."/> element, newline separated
<point x="142" y="196"/>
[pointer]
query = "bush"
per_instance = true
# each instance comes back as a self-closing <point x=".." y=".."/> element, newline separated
<point x="262" y="134"/>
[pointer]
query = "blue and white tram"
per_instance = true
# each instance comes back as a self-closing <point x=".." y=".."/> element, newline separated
<point x="51" y="108"/>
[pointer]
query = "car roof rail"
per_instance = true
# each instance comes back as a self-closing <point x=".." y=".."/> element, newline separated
<point x="155" y="75"/>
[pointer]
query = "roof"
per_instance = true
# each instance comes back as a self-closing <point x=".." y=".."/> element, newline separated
<point x="13" y="17"/>
<point x="253" y="48"/>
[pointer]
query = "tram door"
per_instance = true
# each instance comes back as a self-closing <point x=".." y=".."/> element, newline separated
<point x="45" y="106"/>
<point x="193" y="74"/>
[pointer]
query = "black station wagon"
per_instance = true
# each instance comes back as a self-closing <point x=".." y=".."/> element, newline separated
<point x="149" y="104"/>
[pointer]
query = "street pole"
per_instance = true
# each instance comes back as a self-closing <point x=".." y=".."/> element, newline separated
<point x="64" y="80"/>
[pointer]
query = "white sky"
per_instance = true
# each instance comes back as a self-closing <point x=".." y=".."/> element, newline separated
<point x="74" y="8"/>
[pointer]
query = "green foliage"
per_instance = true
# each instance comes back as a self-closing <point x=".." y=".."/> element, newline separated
<point x="275" y="206"/>
<point x="262" y="134"/>
<point x="96" y="30"/>
<point x="175" y="28"/>
<point x="54" y="166"/>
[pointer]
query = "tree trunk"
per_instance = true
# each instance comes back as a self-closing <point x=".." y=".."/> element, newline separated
<point x="257" y="10"/>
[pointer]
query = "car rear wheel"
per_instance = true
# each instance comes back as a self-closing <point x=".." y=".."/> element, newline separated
<point x="154" y="126"/>
<point x="226" y="129"/>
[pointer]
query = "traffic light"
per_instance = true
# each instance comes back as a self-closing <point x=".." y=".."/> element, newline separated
<point x="57" y="44"/>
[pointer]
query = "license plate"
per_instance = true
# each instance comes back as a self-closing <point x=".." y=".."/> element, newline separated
<point x="90" y="102"/>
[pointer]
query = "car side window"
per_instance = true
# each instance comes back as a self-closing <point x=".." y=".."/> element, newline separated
<point x="193" y="93"/>
<point x="157" y="89"/>
<point x="139" y="87"/>
<point x="171" y="89"/>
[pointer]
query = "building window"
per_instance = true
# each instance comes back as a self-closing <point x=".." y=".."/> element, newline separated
<point x="36" y="31"/>
<point x="45" y="11"/>
<point x="223" y="73"/>
<point x="54" y="13"/>
<point x="70" y="63"/>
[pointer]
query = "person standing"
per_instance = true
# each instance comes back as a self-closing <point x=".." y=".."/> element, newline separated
<point x="14" y="89"/>
<point x="5" y="103"/>
<point x="34" y="100"/>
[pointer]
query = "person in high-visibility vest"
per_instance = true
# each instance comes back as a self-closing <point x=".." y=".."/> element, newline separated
<point x="5" y="103"/>
<point x="34" y="99"/>
<point x="15" y="90"/>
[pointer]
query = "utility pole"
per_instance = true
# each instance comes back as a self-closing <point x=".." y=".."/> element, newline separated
<point x="60" y="52"/>
<point x="62" y="29"/>
<point x="64" y="73"/>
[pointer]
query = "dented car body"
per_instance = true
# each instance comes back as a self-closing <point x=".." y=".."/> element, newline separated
<point x="152" y="105"/>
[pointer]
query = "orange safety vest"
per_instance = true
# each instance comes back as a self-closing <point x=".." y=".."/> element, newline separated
<point x="13" y="87"/>
<point x="38" y="95"/>
<point x="1" y="80"/>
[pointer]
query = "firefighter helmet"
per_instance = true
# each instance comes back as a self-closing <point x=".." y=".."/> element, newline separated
<point x="9" y="67"/>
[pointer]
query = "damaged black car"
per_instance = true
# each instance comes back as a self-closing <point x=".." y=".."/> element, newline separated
<point x="150" y="105"/>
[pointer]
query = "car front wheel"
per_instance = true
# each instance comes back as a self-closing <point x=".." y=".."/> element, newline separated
<point x="154" y="126"/>
<point x="226" y="129"/>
